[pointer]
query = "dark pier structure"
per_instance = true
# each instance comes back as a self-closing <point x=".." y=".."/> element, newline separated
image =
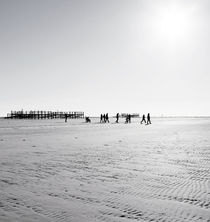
<point x="133" y="115"/>
<point x="44" y="115"/>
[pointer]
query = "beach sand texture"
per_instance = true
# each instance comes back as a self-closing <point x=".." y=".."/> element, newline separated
<point x="78" y="172"/>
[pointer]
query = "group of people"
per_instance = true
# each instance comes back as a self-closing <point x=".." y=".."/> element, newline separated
<point x="128" y="118"/>
<point x="144" y="119"/>
<point x="104" y="118"/>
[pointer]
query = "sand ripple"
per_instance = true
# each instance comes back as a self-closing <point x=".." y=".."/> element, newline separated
<point x="109" y="173"/>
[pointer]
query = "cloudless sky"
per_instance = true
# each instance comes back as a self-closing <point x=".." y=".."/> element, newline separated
<point x="103" y="56"/>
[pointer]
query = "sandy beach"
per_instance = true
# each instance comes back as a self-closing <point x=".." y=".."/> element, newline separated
<point x="78" y="172"/>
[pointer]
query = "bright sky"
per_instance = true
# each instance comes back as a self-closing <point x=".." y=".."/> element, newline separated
<point x="103" y="56"/>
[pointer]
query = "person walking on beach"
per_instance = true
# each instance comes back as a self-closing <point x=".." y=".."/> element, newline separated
<point x="101" y="119"/>
<point x="107" y="118"/>
<point x="66" y="116"/>
<point x="117" y="118"/>
<point x="129" y="118"/>
<point x="104" y="118"/>
<point x="148" y="119"/>
<point x="143" y="119"/>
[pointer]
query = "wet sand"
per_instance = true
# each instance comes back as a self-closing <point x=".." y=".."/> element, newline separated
<point x="77" y="172"/>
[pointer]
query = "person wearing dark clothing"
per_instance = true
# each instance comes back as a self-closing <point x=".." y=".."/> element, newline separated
<point x="129" y="118"/>
<point x="117" y="118"/>
<point x="126" y="119"/>
<point x="148" y="119"/>
<point x="107" y="118"/>
<point x="87" y="119"/>
<point x="143" y="119"/>
<point x="101" y="119"/>
<point x="104" y="118"/>
<point x="66" y="116"/>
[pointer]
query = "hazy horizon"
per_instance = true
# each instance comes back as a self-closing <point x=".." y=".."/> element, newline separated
<point x="105" y="56"/>
<point x="113" y="115"/>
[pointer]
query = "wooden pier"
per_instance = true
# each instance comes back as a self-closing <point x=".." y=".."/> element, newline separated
<point x="133" y="115"/>
<point x="44" y="115"/>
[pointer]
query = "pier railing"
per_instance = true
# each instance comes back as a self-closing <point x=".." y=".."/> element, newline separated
<point x="44" y="115"/>
<point x="133" y="115"/>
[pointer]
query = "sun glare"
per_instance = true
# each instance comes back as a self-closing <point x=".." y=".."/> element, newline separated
<point x="173" y="24"/>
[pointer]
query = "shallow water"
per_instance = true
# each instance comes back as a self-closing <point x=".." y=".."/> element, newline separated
<point x="56" y="171"/>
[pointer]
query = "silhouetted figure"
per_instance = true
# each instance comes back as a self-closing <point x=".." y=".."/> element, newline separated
<point x="148" y="119"/>
<point x="126" y="119"/>
<point x="129" y="118"/>
<point x="87" y="119"/>
<point x="107" y="118"/>
<point x="143" y="119"/>
<point x="66" y="116"/>
<point x="104" y="118"/>
<point x="117" y="118"/>
<point x="101" y="119"/>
